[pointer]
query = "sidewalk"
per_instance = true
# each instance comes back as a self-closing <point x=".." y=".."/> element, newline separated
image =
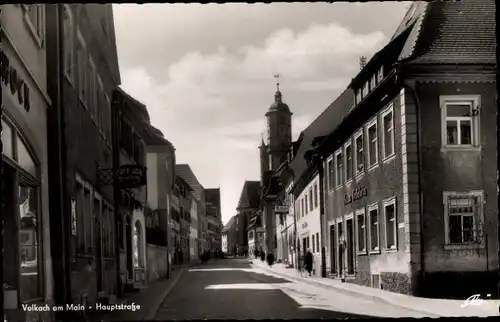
<point x="433" y="307"/>
<point x="149" y="300"/>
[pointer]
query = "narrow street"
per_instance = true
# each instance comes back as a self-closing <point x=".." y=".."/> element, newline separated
<point x="231" y="289"/>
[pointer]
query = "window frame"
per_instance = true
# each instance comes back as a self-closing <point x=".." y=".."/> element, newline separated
<point x="82" y="58"/>
<point x="330" y="163"/>
<point x="339" y="180"/>
<point x="69" y="38"/>
<point x="316" y="194"/>
<point x="385" y="112"/>
<point x="364" y="250"/>
<point x="475" y="103"/>
<point x="92" y="94"/>
<point x="369" y="125"/>
<point x="370" y="208"/>
<point x="311" y="199"/>
<point x="37" y="32"/>
<point x="348" y="179"/>
<point x="360" y="133"/>
<point x="306" y="208"/>
<point x="476" y="217"/>
<point x="386" y="203"/>
<point x="318" y="247"/>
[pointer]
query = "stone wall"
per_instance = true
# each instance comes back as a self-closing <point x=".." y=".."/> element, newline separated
<point x="157" y="262"/>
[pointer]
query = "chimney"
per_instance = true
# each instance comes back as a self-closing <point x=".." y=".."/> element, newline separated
<point x="362" y="62"/>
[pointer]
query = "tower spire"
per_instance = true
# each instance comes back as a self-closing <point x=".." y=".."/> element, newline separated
<point x="277" y="96"/>
<point x="262" y="139"/>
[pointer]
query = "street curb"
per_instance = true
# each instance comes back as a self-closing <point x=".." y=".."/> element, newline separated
<point x="152" y="314"/>
<point x="351" y="292"/>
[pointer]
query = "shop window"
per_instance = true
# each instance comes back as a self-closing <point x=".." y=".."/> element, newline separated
<point x="388" y="133"/>
<point x="24" y="158"/>
<point x="30" y="256"/>
<point x="137" y="243"/>
<point x="7" y="140"/>
<point x="372" y="143"/>
<point x="463" y="217"/>
<point x="391" y="239"/>
<point x="361" y="231"/>
<point x="460" y="120"/>
<point x="360" y="154"/>
<point x="373" y="219"/>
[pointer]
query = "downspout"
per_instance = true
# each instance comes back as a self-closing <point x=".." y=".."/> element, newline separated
<point x="412" y="86"/>
<point x="318" y="160"/>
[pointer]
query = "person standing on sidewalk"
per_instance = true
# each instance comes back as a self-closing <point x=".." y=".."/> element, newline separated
<point x="309" y="261"/>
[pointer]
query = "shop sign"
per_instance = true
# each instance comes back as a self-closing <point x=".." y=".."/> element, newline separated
<point x="304" y="225"/>
<point x="281" y="209"/>
<point x="131" y="176"/>
<point x="357" y="194"/>
<point x="14" y="82"/>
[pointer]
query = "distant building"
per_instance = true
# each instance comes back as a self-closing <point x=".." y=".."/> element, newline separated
<point x="248" y="205"/>
<point x="182" y="216"/>
<point x="214" y="217"/>
<point x="230" y="236"/>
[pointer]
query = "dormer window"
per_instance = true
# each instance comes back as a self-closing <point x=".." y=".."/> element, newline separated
<point x="366" y="89"/>
<point x="373" y="82"/>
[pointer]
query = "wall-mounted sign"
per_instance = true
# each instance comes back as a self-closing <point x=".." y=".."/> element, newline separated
<point x="281" y="209"/>
<point x="12" y="80"/>
<point x="73" y="216"/>
<point x="304" y="225"/>
<point x="357" y="194"/>
<point x="131" y="176"/>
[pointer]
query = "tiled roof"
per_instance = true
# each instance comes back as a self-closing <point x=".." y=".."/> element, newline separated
<point x="461" y="32"/>
<point x="321" y="126"/>
<point x="184" y="171"/>
<point x="250" y="195"/>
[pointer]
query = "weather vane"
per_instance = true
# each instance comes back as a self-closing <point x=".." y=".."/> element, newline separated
<point x="277" y="78"/>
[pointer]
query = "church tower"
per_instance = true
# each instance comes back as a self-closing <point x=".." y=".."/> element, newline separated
<point x="264" y="159"/>
<point x="279" y="130"/>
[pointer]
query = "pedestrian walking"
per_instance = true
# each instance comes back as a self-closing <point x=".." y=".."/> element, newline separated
<point x="309" y="261"/>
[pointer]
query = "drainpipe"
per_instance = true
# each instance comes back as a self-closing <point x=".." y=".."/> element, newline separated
<point x="412" y="87"/>
<point x="318" y="160"/>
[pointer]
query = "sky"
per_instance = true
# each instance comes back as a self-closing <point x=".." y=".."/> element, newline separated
<point x="206" y="73"/>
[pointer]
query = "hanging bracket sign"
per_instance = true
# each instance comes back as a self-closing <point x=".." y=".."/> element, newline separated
<point x="131" y="176"/>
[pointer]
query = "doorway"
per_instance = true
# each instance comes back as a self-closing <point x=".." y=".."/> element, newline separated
<point x="340" y="253"/>
<point x="350" y="246"/>
<point x="333" y="250"/>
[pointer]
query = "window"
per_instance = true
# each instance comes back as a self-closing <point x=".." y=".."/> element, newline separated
<point x="314" y="244"/>
<point x="137" y="243"/>
<point x="380" y="74"/>
<point x="24" y="158"/>
<point x="366" y="89"/>
<point x="361" y="230"/>
<point x="33" y="15"/>
<point x="360" y="156"/>
<point x="30" y="255"/>
<point x="84" y="217"/>
<point x="390" y="224"/>
<point x="108" y="119"/>
<point x="460" y="120"/>
<point x="374" y="229"/>
<point x="311" y="204"/>
<point x="464" y="220"/>
<point x="388" y="133"/>
<point x="331" y="170"/>
<point x="372" y="144"/>
<point x="82" y="68"/>
<point x="303" y="211"/>
<point x="317" y="243"/>
<point x="349" y="162"/>
<point x="340" y="168"/>
<point x="316" y="195"/>
<point x="69" y="44"/>
<point x="101" y="107"/>
<point x="305" y="205"/>
<point x="92" y="90"/>
<point x="297" y="209"/>
<point x="373" y="82"/>
<point x="358" y="96"/>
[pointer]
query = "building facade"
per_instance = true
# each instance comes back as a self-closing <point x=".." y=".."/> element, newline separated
<point x="248" y="205"/>
<point x="230" y="237"/>
<point x="130" y="149"/>
<point x="28" y="276"/>
<point x="194" y="238"/>
<point x="184" y="192"/>
<point x="214" y="218"/>
<point x="160" y="161"/>
<point x="83" y="67"/>
<point x="393" y="223"/>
